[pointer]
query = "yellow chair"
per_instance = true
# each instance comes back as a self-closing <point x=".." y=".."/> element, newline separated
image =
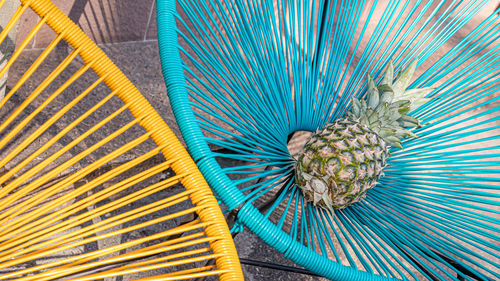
<point x="83" y="194"/>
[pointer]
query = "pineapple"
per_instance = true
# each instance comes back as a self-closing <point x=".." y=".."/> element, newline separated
<point x="341" y="161"/>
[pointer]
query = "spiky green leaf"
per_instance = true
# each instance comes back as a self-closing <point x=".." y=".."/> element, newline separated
<point x="403" y="80"/>
<point x="409" y="118"/>
<point x="419" y="92"/>
<point x="386" y="107"/>
<point x="386" y="97"/>
<point x="356" y="106"/>
<point x="373" y="94"/>
<point x="389" y="74"/>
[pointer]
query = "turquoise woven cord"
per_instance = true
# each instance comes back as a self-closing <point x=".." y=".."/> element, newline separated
<point x="254" y="72"/>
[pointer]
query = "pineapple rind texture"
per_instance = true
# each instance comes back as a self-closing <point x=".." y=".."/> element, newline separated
<point x="340" y="163"/>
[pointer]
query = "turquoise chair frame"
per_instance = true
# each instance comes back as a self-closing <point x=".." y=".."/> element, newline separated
<point x="435" y="213"/>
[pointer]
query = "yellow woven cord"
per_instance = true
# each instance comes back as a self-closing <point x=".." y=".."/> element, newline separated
<point x="82" y="188"/>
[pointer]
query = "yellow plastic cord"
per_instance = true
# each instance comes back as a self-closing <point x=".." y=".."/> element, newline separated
<point x="41" y="225"/>
<point x="9" y="174"/>
<point x="36" y="92"/>
<point x="31" y="69"/>
<point x="46" y="177"/>
<point x="43" y="201"/>
<point x="23" y="45"/>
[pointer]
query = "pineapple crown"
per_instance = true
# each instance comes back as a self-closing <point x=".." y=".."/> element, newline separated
<point x="386" y="107"/>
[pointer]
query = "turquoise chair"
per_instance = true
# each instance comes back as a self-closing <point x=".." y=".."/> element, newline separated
<point x="244" y="77"/>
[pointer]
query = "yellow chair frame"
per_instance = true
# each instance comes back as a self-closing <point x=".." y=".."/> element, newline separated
<point x="41" y="218"/>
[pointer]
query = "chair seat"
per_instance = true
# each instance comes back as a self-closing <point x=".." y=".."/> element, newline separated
<point x="244" y="77"/>
<point x="93" y="183"/>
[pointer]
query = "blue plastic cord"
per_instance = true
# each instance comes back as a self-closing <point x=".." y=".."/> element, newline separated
<point x="253" y="72"/>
